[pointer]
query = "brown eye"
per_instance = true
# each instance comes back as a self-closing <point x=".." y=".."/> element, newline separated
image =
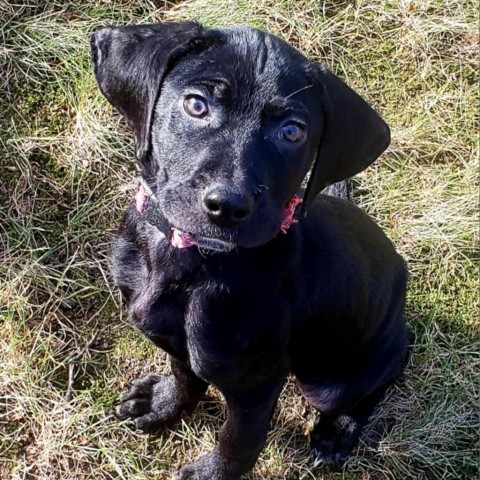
<point x="195" y="106"/>
<point x="291" y="133"/>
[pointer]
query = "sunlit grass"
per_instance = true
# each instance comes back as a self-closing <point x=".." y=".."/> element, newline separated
<point x="66" y="175"/>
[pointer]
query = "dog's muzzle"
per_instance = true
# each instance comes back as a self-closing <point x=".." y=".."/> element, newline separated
<point x="146" y="204"/>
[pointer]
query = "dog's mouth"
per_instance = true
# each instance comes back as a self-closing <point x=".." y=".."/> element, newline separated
<point x="180" y="239"/>
<point x="147" y="205"/>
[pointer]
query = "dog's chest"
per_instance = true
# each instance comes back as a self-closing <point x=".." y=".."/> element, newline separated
<point x="233" y="336"/>
<point x="226" y="317"/>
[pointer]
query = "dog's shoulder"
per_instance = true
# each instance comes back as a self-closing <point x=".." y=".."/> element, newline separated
<point x="341" y="225"/>
<point x="348" y="255"/>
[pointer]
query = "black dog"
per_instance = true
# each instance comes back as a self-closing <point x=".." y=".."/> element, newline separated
<point x="215" y="260"/>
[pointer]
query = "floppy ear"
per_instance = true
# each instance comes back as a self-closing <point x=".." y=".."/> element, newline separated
<point x="130" y="64"/>
<point x="354" y="136"/>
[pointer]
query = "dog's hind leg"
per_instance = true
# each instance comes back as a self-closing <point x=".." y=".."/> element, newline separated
<point x="335" y="435"/>
<point x="158" y="400"/>
<point x="345" y="406"/>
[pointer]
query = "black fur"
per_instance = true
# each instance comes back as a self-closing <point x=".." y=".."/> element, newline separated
<point x="323" y="301"/>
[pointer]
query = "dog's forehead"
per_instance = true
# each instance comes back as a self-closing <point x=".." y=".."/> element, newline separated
<point x="253" y="62"/>
<point x="263" y="52"/>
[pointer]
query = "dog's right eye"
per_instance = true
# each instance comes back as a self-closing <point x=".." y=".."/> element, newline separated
<point x="291" y="133"/>
<point x="195" y="106"/>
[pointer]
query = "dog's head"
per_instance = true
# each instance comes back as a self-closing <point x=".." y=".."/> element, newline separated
<point x="228" y="122"/>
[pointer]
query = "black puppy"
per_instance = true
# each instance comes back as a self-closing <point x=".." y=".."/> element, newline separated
<point x="214" y="258"/>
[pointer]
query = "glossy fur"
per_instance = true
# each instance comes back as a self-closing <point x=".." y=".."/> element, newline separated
<point x="324" y="301"/>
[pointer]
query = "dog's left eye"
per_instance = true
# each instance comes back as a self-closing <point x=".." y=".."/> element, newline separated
<point x="291" y="133"/>
<point x="196" y="106"/>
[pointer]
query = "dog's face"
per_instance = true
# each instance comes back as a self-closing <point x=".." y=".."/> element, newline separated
<point x="228" y="123"/>
<point x="235" y="130"/>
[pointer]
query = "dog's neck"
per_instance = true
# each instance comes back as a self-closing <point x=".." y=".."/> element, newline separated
<point x="146" y="203"/>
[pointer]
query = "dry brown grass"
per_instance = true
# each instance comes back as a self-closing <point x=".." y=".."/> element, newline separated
<point x="66" y="166"/>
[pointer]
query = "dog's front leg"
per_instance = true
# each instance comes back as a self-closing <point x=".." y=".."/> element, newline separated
<point x="158" y="400"/>
<point x="242" y="436"/>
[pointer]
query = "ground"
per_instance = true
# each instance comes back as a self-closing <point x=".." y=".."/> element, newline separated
<point x="67" y="173"/>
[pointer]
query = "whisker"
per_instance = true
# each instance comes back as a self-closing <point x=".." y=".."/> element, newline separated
<point x="300" y="90"/>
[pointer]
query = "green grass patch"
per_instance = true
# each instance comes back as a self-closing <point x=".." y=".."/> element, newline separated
<point x="67" y="173"/>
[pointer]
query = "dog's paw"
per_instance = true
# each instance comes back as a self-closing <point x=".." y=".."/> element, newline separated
<point x="212" y="466"/>
<point x="152" y="402"/>
<point x="332" y="441"/>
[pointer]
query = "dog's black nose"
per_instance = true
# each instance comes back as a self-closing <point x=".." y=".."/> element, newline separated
<point x="225" y="206"/>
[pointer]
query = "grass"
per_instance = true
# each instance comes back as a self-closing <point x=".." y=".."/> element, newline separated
<point x="66" y="351"/>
